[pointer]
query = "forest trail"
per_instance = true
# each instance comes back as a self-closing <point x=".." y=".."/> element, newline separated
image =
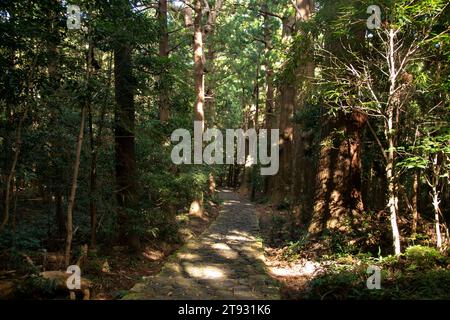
<point x="225" y="262"/>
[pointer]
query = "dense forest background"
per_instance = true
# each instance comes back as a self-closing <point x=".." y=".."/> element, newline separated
<point x="87" y="114"/>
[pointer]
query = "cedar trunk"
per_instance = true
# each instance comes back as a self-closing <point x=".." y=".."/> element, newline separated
<point x="124" y="144"/>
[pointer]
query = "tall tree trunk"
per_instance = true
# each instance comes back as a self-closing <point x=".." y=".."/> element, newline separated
<point x="199" y="66"/>
<point x="95" y="145"/>
<point x="286" y="99"/>
<point x="256" y="92"/>
<point x="210" y="107"/>
<point x="270" y="116"/>
<point x="303" y="168"/>
<point x="57" y="177"/>
<point x="93" y="182"/>
<point x="163" y="90"/>
<point x="392" y="192"/>
<point x="126" y="170"/>
<point x="73" y="189"/>
<point x="209" y="31"/>
<point x="389" y="133"/>
<point x="269" y="104"/>
<point x="93" y="151"/>
<point x="196" y="207"/>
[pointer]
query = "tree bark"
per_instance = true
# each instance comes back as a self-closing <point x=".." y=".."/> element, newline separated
<point x="126" y="170"/>
<point x="163" y="90"/>
<point x="199" y="65"/>
<point x="436" y="172"/>
<point x="73" y="189"/>
<point x="389" y="133"/>
<point x="303" y="168"/>
<point x="338" y="205"/>
<point x="415" y="196"/>
<point x="196" y="207"/>
<point x="209" y="31"/>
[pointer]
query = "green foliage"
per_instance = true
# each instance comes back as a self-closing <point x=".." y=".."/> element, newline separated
<point x="422" y="257"/>
<point x="34" y="286"/>
<point x="293" y="250"/>
<point x="400" y="279"/>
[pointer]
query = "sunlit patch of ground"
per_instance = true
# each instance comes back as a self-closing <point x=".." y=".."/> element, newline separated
<point x="294" y="275"/>
<point x="205" y="272"/>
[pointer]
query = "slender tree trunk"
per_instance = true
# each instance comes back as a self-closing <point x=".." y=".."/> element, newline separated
<point x="94" y="155"/>
<point x="389" y="132"/>
<point x="93" y="182"/>
<point x="392" y="195"/>
<point x="435" y="197"/>
<point x="436" y="171"/>
<point x="415" y="196"/>
<point x="73" y="189"/>
<point x="11" y="174"/>
<point x="256" y="90"/>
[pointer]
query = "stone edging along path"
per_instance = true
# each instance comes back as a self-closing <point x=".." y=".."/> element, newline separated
<point x="225" y="262"/>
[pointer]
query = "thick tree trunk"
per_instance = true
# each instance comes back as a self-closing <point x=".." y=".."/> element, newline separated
<point x="126" y="171"/>
<point x="270" y="116"/>
<point x="338" y="205"/>
<point x="303" y="166"/>
<point x="282" y="181"/>
<point x="210" y="105"/>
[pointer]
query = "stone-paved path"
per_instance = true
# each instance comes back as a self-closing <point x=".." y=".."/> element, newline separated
<point x="225" y="262"/>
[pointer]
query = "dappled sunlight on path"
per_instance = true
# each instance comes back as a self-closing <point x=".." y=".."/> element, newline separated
<point x="225" y="262"/>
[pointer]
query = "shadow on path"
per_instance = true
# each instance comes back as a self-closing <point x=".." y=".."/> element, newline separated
<point x="225" y="262"/>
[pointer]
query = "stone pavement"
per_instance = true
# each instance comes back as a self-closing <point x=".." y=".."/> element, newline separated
<point x="225" y="262"/>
